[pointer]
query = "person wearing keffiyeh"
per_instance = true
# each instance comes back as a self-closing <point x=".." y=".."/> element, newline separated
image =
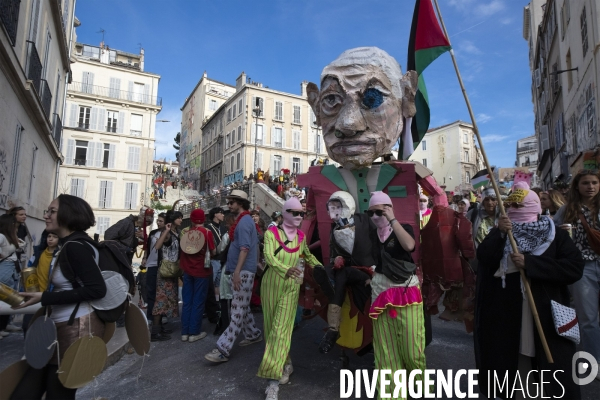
<point x="506" y="340"/>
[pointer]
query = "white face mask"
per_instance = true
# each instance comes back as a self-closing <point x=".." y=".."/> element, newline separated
<point x="380" y="222"/>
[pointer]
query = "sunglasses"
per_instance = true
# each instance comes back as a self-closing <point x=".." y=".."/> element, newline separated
<point x="514" y="205"/>
<point x="296" y="213"/>
<point x="424" y="201"/>
<point x="372" y="212"/>
<point x="230" y="202"/>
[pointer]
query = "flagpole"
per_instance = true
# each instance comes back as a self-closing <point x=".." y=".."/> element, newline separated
<point x="513" y="244"/>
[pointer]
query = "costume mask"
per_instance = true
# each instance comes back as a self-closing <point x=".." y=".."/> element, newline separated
<point x="341" y="208"/>
<point x="527" y="202"/>
<point x="290" y="223"/>
<point x="383" y="225"/>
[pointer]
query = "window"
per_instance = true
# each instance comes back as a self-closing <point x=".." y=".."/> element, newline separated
<point x="111" y="123"/>
<point x="465" y="138"/>
<point x="81" y="149"/>
<point x="12" y="187"/>
<point x="279" y="111"/>
<point x="114" y="90"/>
<point x="424" y="162"/>
<point x="466" y="156"/>
<point x="296" y="139"/>
<point x="297" y="114"/>
<point x="136" y="125"/>
<point x="569" y="73"/>
<point x="102" y="225"/>
<point x="233" y="113"/>
<point x="584" y="38"/>
<point x="133" y="158"/>
<point x="277" y="137"/>
<point x="238" y="162"/>
<point x="424" y="145"/>
<point x="84" y="117"/>
<point x="108" y="156"/>
<point x="239" y="133"/>
<point x="131" y="194"/>
<point x="318" y="144"/>
<point x="87" y="83"/>
<point x="227" y="141"/>
<point x="138" y="92"/>
<point x="258" y="134"/>
<point x="240" y="106"/>
<point x="257" y="102"/>
<point x="229" y="115"/>
<point x="78" y="187"/>
<point x="46" y="54"/>
<point x="468" y="177"/>
<point x="231" y="160"/>
<point x="295" y="165"/>
<point x="105" y="195"/>
<point x="276" y="164"/>
<point x="313" y="119"/>
<point x="213" y="105"/>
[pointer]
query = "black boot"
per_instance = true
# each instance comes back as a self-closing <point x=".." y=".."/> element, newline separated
<point x="328" y="341"/>
<point x="157" y="335"/>
<point x="322" y="279"/>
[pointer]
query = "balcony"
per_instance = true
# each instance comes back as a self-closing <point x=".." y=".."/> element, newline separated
<point x="111" y="128"/>
<point x="9" y="15"/>
<point x="112" y="93"/>
<point x="527" y="147"/>
<point x="34" y="67"/>
<point x="57" y="129"/>
<point x="46" y="97"/>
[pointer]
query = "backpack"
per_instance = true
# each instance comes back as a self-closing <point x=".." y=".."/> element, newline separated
<point x="112" y="261"/>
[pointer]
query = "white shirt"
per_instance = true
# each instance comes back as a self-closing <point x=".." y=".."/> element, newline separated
<point x="152" y="260"/>
<point x="62" y="312"/>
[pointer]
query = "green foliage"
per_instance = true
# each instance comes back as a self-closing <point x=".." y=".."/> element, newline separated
<point x="157" y="205"/>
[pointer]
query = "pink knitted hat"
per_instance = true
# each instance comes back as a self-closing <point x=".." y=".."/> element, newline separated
<point x="378" y="198"/>
<point x="292" y="204"/>
<point x="521" y="194"/>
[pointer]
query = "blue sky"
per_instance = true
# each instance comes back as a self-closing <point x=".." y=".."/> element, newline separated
<point x="281" y="43"/>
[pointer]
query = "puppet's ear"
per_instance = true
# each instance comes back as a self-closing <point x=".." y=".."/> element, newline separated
<point x="408" y="83"/>
<point x="312" y="92"/>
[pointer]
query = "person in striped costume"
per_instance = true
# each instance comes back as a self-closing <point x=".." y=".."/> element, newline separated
<point x="396" y="308"/>
<point x="284" y="244"/>
<point x="424" y="210"/>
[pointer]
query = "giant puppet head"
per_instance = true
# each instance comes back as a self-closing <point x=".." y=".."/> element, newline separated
<point x="361" y="105"/>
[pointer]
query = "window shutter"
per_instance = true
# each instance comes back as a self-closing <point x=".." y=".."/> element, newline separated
<point x="102" y="121"/>
<point x="128" y="195"/>
<point x="120" y="122"/>
<point x="301" y="170"/>
<point x="73" y="116"/>
<point x="101" y="194"/>
<point x="283" y="137"/>
<point x="115" y="88"/>
<point x="99" y="154"/>
<point x="272" y="136"/>
<point x="94" y="118"/>
<point x="35" y="23"/>
<point x="134" y="195"/>
<point x="147" y="93"/>
<point x="260" y="160"/>
<point x="130" y="91"/>
<point x="108" y="198"/>
<point x="70" y="152"/>
<point x="80" y="188"/>
<point x="111" y="155"/>
<point x="136" y="159"/>
<point x="272" y="167"/>
<point x="130" y="151"/>
<point x="89" y="154"/>
<point x="73" y="187"/>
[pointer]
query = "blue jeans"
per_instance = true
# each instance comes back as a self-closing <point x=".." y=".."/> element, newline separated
<point x="585" y="295"/>
<point x="8" y="274"/>
<point x="216" y="266"/>
<point x="195" y="291"/>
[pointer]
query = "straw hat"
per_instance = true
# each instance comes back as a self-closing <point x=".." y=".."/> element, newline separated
<point x="237" y="195"/>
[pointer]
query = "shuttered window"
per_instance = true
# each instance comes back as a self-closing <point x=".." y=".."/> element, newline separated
<point x="296" y="139"/>
<point x="133" y="158"/>
<point x="102" y="225"/>
<point x="78" y="187"/>
<point x="87" y="82"/>
<point x="115" y="88"/>
<point x="279" y="110"/>
<point x="297" y="115"/>
<point x="136" y="124"/>
<point x="105" y="195"/>
<point x="131" y="193"/>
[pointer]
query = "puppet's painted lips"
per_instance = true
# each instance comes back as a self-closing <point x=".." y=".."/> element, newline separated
<point x="353" y="147"/>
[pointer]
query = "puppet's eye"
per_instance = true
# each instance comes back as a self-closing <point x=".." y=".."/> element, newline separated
<point x="372" y="98"/>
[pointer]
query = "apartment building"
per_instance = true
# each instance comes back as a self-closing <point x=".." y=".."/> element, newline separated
<point x="451" y="153"/>
<point x="34" y="71"/>
<point x="109" y="136"/>
<point x="204" y="100"/>
<point x="564" y="70"/>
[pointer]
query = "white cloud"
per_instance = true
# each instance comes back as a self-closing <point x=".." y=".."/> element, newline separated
<point x="485" y="10"/>
<point x="506" y="21"/>
<point x="483" y="118"/>
<point x="493" y="138"/>
<point x="468" y="47"/>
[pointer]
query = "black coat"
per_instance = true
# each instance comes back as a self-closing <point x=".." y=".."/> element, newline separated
<point x="498" y="311"/>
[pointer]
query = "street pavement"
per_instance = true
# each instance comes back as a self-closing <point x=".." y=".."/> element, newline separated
<point x="178" y="370"/>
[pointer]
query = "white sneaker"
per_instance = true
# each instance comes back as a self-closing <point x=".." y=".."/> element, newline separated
<point x="184" y="338"/>
<point x="194" y="338"/>
<point x="4" y="334"/>
<point x="272" y="392"/>
<point x="13" y="328"/>
<point x="285" y="376"/>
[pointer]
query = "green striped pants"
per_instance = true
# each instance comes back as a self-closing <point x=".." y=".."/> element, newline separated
<point x="399" y="342"/>
<point x="279" y="298"/>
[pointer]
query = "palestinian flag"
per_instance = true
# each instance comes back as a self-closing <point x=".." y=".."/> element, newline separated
<point x="481" y="179"/>
<point x="427" y="42"/>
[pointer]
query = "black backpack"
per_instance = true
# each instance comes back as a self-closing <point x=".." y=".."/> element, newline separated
<point x="111" y="256"/>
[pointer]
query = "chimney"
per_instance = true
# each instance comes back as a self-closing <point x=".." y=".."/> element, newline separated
<point x="240" y="81"/>
<point x="141" y="59"/>
<point x="303" y="86"/>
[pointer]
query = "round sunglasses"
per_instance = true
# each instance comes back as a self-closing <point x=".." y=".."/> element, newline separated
<point x="296" y="213"/>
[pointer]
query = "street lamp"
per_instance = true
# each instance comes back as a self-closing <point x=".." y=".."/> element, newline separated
<point x="256" y="112"/>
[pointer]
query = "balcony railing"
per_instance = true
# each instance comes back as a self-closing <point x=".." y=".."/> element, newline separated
<point x="527" y="147"/>
<point x="57" y="129"/>
<point x="115" y="94"/>
<point x="9" y="15"/>
<point x="46" y="97"/>
<point x="111" y="128"/>
<point x="34" y="66"/>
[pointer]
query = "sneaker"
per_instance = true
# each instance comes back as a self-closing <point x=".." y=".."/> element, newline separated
<point x="13" y="328"/>
<point x="4" y="334"/>
<point x="288" y="369"/>
<point x="184" y="338"/>
<point x="159" y="337"/>
<point x="216" y="356"/>
<point x="272" y="392"/>
<point x="194" y="338"/>
<point x="247" y="342"/>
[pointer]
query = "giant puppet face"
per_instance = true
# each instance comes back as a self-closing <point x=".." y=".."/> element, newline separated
<point x="361" y="105"/>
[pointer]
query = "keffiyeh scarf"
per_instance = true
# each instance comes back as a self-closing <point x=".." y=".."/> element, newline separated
<point x="531" y="237"/>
